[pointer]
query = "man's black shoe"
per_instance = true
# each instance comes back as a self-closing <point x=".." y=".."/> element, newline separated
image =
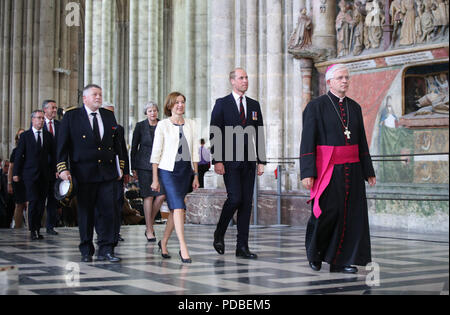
<point x="343" y="269"/>
<point x="34" y="235"/>
<point x="52" y="232"/>
<point x="110" y="257"/>
<point x="86" y="258"/>
<point x="315" y="265"/>
<point x="219" y="244"/>
<point x="244" y="252"/>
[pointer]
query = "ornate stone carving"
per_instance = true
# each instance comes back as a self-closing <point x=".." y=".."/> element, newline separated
<point x="301" y="37"/>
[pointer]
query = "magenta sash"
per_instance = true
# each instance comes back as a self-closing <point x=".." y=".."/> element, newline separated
<point x="326" y="158"/>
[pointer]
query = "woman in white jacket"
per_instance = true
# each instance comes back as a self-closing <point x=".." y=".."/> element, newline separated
<point x="175" y="157"/>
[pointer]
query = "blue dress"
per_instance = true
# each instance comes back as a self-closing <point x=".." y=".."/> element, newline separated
<point x="176" y="183"/>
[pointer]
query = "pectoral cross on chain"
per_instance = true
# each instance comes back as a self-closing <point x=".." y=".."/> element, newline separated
<point x="347" y="133"/>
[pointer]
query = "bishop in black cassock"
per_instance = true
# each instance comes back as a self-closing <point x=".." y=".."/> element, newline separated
<point x="334" y="164"/>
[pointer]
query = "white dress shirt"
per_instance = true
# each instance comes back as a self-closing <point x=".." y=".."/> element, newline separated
<point x="101" y="128"/>
<point x="238" y="102"/>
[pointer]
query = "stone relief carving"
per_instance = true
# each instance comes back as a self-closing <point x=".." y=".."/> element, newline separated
<point x="361" y="24"/>
<point x="374" y="23"/>
<point x="419" y="21"/>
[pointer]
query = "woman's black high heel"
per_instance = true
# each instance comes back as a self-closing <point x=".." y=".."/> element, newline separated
<point x="150" y="240"/>
<point x="166" y="256"/>
<point x="186" y="261"/>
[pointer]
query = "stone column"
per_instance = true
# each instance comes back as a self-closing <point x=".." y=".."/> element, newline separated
<point x="324" y="17"/>
<point x="306" y="68"/>
<point x="201" y="67"/>
<point x="222" y="59"/>
<point x="133" y="63"/>
<point x="16" y="75"/>
<point x="96" y="34"/>
<point x="274" y="113"/>
<point x="106" y="55"/>
<point x="89" y="16"/>
<point x="251" y="39"/>
<point x="6" y="129"/>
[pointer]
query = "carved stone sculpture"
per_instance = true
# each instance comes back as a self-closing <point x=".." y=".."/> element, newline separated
<point x="343" y="29"/>
<point x="408" y="33"/>
<point x="301" y="37"/>
<point x="396" y="18"/>
<point x="424" y="22"/>
<point x="374" y="23"/>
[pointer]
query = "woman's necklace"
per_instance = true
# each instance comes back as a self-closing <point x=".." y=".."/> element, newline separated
<point x="347" y="132"/>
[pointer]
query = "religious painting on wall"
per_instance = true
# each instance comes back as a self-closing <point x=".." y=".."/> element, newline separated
<point x="426" y="90"/>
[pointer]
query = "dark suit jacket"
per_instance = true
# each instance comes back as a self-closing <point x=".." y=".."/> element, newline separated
<point x="141" y="147"/>
<point x="123" y="145"/>
<point x="90" y="162"/>
<point x="30" y="163"/>
<point x="226" y="113"/>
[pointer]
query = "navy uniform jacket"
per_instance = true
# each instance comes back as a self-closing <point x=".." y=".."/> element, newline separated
<point x="30" y="163"/>
<point x="90" y="162"/>
<point x="226" y="113"/>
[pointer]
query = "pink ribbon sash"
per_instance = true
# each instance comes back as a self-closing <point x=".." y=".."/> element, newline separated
<point x="326" y="158"/>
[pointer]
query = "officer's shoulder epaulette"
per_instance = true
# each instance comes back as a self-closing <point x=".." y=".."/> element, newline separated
<point x="70" y="109"/>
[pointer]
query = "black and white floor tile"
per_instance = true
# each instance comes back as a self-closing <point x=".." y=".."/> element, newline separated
<point x="404" y="263"/>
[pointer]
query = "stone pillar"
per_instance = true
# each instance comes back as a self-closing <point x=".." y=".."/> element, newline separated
<point x="16" y="88"/>
<point x="96" y="34"/>
<point x="201" y="67"/>
<point x="89" y="16"/>
<point x="222" y="61"/>
<point x="274" y="113"/>
<point x="106" y="52"/>
<point x="251" y="39"/>
<point x="306" y="68"/>
<point x="6" y="130"/>
<point x="142" y="58"/>
<point x="133" y="62"/>
<point x="324" y="17"/>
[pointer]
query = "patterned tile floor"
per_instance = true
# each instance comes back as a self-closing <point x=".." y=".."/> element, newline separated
<point x="404" y="264"/>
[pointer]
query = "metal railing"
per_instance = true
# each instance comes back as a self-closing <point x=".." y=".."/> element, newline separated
<point x="370" y="195"/>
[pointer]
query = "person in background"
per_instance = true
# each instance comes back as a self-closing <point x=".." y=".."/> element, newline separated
<point x="35" y="163"/>
<point x="126" y="174"/>
<point x="141" y="152"/>
<point x="204" y="164"/>
<point x="51" y="125"/>
<point x="17" y="188"/>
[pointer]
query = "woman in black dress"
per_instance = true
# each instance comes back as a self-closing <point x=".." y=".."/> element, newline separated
<point x="141" y="151"/>
<point x="17" y="189"/>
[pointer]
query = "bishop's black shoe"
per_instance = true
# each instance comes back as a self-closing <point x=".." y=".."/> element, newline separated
<point x="244" y="252"/>
<point x="343" y="269"/>
<point x="315" y="265"/>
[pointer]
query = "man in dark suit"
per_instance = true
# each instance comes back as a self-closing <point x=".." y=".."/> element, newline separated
<point x="88" y="139"/>
<point x="51" y="125"/>
<point x="126" y="174"/>
<point x="239" y="156"/>
<point x="35" y="163"/>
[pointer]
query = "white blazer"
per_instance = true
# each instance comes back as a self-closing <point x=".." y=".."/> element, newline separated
<point x="167" y="141"/>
